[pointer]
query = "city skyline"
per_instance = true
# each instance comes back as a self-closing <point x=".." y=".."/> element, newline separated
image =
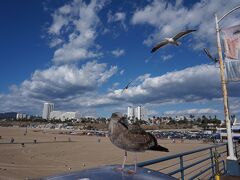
<point x="80" y="54"/>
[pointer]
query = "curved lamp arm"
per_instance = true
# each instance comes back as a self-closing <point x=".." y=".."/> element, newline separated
<point x="229" y="13"/>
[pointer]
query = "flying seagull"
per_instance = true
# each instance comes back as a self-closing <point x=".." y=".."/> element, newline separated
<point x="172" y="40"/>
<point x="127" y="86"/>
<point x="131" y="137"/>
<point x="236" y="32"/>
<point x="210" y="56"/>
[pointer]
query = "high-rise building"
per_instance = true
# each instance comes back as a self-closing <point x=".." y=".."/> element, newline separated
<point x="130" y="112"/>
<point x="135" y="112"/>
<point x="138" y="112"/>
<point x="47" y="109"/>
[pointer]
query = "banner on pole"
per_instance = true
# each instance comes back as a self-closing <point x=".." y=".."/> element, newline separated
<point x="231" y="37"/>
<point x="232" y="69"/>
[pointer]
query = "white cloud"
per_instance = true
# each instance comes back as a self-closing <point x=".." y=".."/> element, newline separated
<point x="114" y="86"/>
<point x="121" y="72"/>
<point x="72" y="87"/>
<point x="118" y="52"/>
<point x="192" y="111"/>
<point x="169" y="20"/>
<point x="15" y="102"/>
<point x="58" y="22"/>
<point x="66" y="80"/>
<point x="69" y="86"/>
<point x="151" y="112"/>
<point x="75" y="24"/>
<point x="117" y="17"/>
<point x="143" y="77"/>
<point x="234" y="105"/>
<point x="55" y="42"/>
<point x="166" y="57"/>
<point x="192" y="84"/>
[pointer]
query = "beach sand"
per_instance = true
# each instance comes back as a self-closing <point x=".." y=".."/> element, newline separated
<point x="50" y="157"/>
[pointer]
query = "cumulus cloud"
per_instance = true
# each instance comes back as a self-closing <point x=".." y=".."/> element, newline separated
<point x="122" y="72"/>
<point x="234" y="105"/>
<point x="66" y="85"/>
<point x="55" y="42"/>
<point x="192" y="111"/>
<point x="118" y="52"/>
<point x="114" y="86"/>
<point x="74" y="25"/>
<point x="15" y="101"/>
<point x="170" y="18"/>
<point x="66" y="80"/>
<point x="192" y="84"/>
<point x="73" y="88"/>
<point x="117" y="17"/>
<point x="166" y="57"/>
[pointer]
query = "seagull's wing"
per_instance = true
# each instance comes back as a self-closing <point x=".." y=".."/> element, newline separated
<point x="136" y="128"/>
<point x="236" y="32"/>
<point x="127" y="86"/>
<point x="161" y="44"/>
<point x="137" y="135"/>
<point x="155" y="146"/>
<point x="208" y="54"/>
<point x="123" y="122"/>
<point x="181" y="34"/>
<point x="142" y="139"/>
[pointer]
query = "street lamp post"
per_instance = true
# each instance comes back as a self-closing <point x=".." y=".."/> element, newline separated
<point x="224" y="87"/>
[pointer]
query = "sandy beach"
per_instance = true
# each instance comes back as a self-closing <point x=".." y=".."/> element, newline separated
<point x="49" y="157"/>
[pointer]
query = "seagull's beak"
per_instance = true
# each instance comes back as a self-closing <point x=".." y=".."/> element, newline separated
<point x="122" y="121"/>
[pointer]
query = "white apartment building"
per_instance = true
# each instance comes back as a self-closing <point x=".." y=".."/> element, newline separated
<point x="64" y="115"/>
<point x="135" y="112"/>
<point x="130" y="112"/>
<point x="47" y="109"/>
<point x="21" y="116"/>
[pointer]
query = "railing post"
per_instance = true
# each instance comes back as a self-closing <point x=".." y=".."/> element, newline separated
<point x="181" y="167"/>
<point x="227" y="149"/>
<point x="217" y="172"/>
<point x="235" y="144"/>
<point x="224" y="167"/>
<point x="212" y="162"/>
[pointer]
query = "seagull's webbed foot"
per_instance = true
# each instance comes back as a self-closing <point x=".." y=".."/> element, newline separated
<point x="118" y="169"/>
<point x="131" y="171"/>
<point x="135" y="167"/>
<point x="123" y="164"/>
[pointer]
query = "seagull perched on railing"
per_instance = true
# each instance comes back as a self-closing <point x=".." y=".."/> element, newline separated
<point x="172" y="40"/>
<point x="131" y="138"/>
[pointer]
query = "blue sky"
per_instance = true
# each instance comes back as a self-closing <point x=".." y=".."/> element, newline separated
<point x="80" y="54"/>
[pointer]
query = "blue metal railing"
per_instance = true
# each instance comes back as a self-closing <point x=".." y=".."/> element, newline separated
<point x="201" y="166"/>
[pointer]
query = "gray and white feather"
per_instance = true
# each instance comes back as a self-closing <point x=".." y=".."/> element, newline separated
<point x="172" y="40"/>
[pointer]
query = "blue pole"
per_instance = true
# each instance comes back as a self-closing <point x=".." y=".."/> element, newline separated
<point x="212" y="162"/>
<point x="181" y="167"/>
